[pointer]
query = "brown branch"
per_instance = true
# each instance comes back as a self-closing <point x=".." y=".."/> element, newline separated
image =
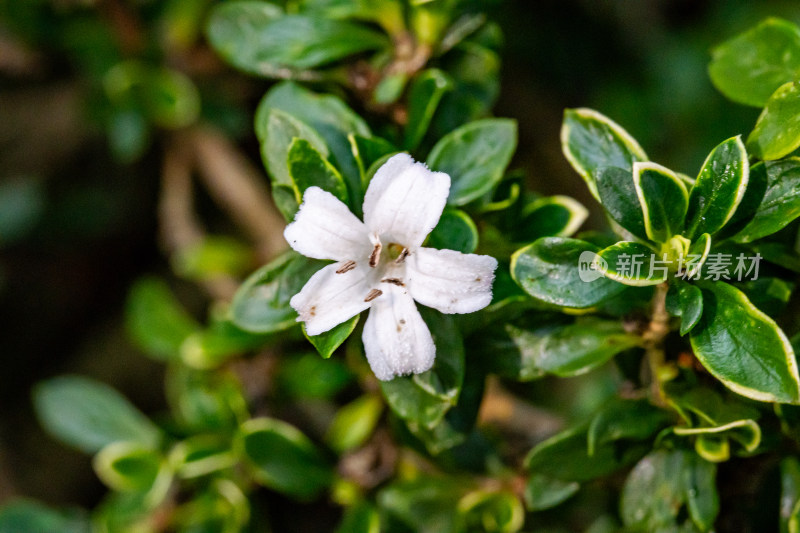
<point x="653" y="338"/>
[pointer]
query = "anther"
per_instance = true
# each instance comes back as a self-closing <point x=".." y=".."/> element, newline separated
<point x="374" y="293"/>
<point x="402" y="256"/>
<point x="347" y="267"/>
<point x="375" y="256"/>
<point x="394" y="281"/>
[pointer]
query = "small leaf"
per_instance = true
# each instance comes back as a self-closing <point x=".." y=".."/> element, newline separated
<point x="89" y="415"/>
<point x="550" y="269"/>
<point x="204" y="401"/>
<point x="719" y="188"/>
<point x="542" y="492"/>
<point x="309" y="376"/>
<point x="751" y="66"/>
<point x="744" y="348"/>
<point x="424" y="96"/>
<point x="284" y="459"/>
<point x="632" y="263"/>
<point x="688" y="304"/>
<point x="780" y="203"/>
<point x="360" y="518"/>
<point x="354" y="423"/>
<point x="499" y="511"/>
<point x="215" y="345"/>
<point x="663" y="198"/>
<point x="258" y="38"/>
<point x="624" y="419"/>
<point x="213" y="256"/>
<point x="591" y="141"/>
<point x="620" y="199"/>
<point x="156" y="320"/>
<point x="455" y="231"/>
<point x="777" y="130"/>
<point x="327" y="343"/>
<point x="367" y="150"/>
<point x="475" y="156"/>
<point x="261" y="305"/>
<point x="424" y="504"/>
<point x="18" y="516"/>
<point x="552" y="216"/>
<point x="127" y="466"/>
<point x="790" y="496"/>
<point x="308" y="168"/>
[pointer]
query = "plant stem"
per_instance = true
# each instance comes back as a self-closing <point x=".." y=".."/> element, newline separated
<point x="653" y="338"/>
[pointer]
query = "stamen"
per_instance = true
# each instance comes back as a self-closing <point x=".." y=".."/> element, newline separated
<point x="347" y="267"/>
<point x="375" y="256"/>
<point x="394" y="281"/>
<point x="374" y="293"/>
<point x="402" y="256"/>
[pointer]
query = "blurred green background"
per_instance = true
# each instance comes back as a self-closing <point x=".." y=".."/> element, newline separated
<point x="79" y="177"/>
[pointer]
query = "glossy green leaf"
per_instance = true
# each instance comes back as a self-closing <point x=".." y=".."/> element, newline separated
<point x="261" y="305"/>
<point x="89" y="415"/>
<point x="309" y="376"/>
<point x="591" y="141"/>
<point x="308" y="168"/>
<point x="777" y="130"/>
<point x="202" y="454"/>
<point x="389" y="89"/>
<point x="327" y="343"/>
<point x="663" y="198"/>
<point x="366" y="151"/>
<point x="218" y="343"/>
<point x="283" y="459"/>
<point x="542" y="492"/>
<point x="620" y="199"/>
<point x="205" y="401"/>
<point x="18" y="516"/>
<point x="354" y="423"/>
<point x="552" y="216"/>
<point x="127" y="466"/>
<point x="424" y="95"/>
<point x="624" y="419"/>
<point x="258" y="38"/>
<point x="719" y="188"/>
<point x="497" y="511"/>
<point x="562" y="350"/>
<point x="552" y="269"/>
<point x="744" y="348"/>
<point x="156" y="320"/>
<point x="425" y="504"/>
<point x="686" y="301"/>
<point x="633" y="264"/>
<point x="475" y="156"/>
<point x="770" y="295"/>
<point x="455" y="231"/>
<point x="780" y="203"/>
<point x="751" y="66"/>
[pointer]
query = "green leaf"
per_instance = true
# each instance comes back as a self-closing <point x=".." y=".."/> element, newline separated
<point x="390" y="88"/>
<point x="366" y="151"/>
<point x="18" y="516"/>
<point x="424" y="95"/>
<point x="360" y="518"/>
<point x="780" y="203"/>
<point x="218" y="343"/>
<point x="777" y="130"/>
<point x="127" y="466"/>
<point x="354" y="423"/>
<point x="261" y="305"/>
<point x="309" y="376"/>
<point x="203" y="401"/>
<point x="309" y="169"/>
<point x="790" y="496"/>
<point x="663" y="198"/>
<point x="488" y="510"/>
<point x="624" y="419"/>
<point x="475" y="156"/>
<point x="425" y="398"/>
<point x="283" y="459"/>
<point x="258" y="38"/>
<point x="751" y="66"/>
<point x="542" y="492"/>
<point x="591" y="141"/>
<point x="455" y="231"/>
<point x="425" y="504"/>
<point x="89" y="415"/>
<point x="202" y="454"/>
<point x="327" y="343"/>
<point x="744" y="348"/>
<point x="562" y="350"/>
<point x="687" y="303"/>
<point x="213" y="256"/>
<point x="620" y="199"/>
<point x="331" y="118"/>
<point x="719" y="188"/>
<point x="552" y="216"/>
<point x="632" y="263"/>
<point x="771" y="295"/>
<point x="156" y="320"/>
<point x="550" y="270"/>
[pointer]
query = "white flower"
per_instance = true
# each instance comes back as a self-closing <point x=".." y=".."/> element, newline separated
<point x="381" y="265"/>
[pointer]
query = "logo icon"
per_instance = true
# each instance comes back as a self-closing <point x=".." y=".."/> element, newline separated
<point x="588" y="266"/>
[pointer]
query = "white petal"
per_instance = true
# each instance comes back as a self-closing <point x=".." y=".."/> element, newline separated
<point x="328" y="299"/>
<point x="449" y="281"/>
<point x="324" y="228"/>
<point x="396" y="339"/>
<point x="404" y="201"/>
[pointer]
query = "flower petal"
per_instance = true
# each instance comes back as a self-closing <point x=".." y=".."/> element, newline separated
<point x="329" y="298"/>
<point x="404" y="201"/>
<point x="449" y="281"/>
<point x="396" y="339"/>
<point x="324" y="228"/>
